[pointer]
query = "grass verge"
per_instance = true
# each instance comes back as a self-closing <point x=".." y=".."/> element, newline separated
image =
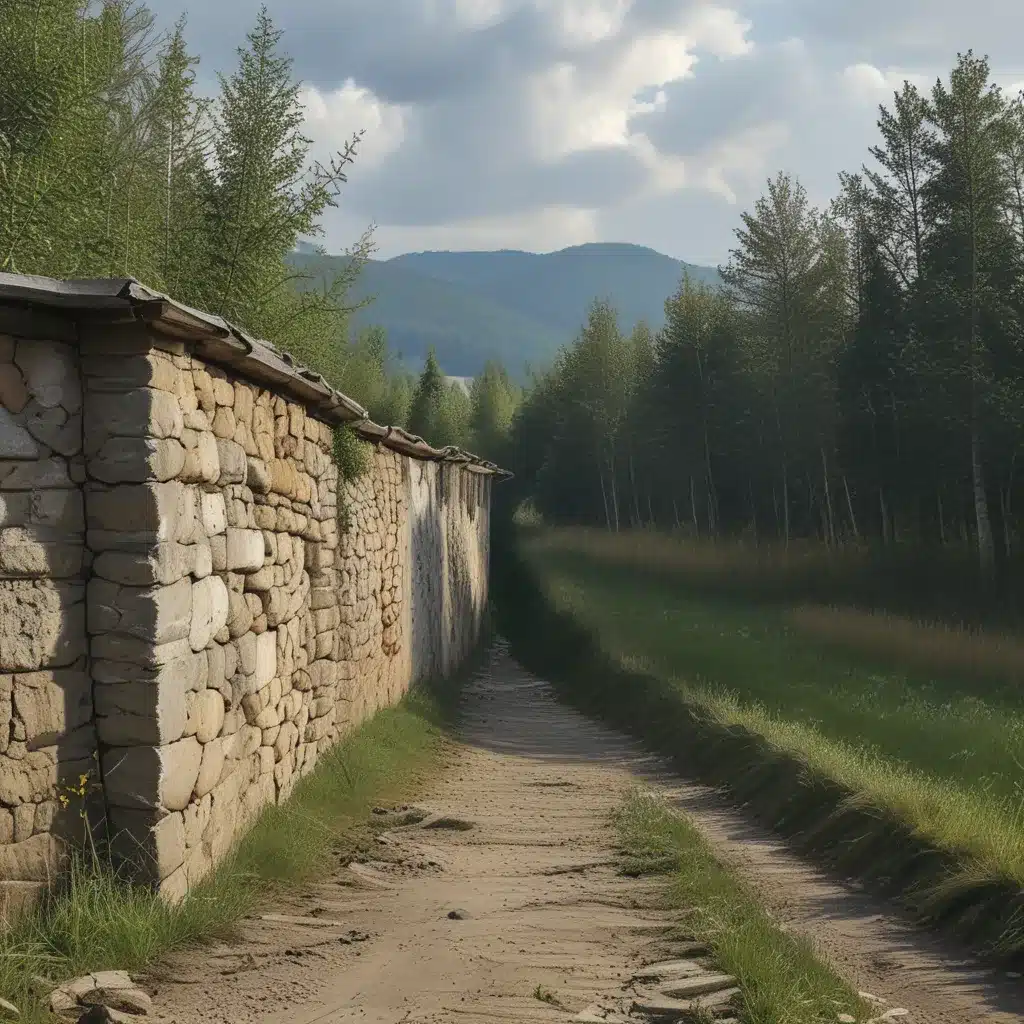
<point x="96" y="920"/>
<point x="783" y="980"/>
<point x="778" y="776"/>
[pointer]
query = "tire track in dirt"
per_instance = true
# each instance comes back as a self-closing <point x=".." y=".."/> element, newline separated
<point x="457" y="924"/>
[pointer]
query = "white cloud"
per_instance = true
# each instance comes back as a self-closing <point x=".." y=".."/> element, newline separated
<point x="333" y="117"/>
<point x="541" y="123"/>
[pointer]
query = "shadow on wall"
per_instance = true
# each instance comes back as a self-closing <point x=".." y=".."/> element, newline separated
<point x="47" y="739"/>
<point x="427" y="540"/>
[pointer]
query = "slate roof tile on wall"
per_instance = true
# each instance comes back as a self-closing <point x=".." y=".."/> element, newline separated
<point x="221" y="342"/>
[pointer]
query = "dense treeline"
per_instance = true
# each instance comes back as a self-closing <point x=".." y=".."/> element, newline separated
<point x="859" y="376"/>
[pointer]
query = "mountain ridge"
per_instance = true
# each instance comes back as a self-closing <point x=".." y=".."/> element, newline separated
<point x="515" y="306"/>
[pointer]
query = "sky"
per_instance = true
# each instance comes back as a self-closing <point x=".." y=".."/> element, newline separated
<point x="538" y="124"/>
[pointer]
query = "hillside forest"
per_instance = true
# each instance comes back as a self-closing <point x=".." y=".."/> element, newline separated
<point x="858" y="375"/>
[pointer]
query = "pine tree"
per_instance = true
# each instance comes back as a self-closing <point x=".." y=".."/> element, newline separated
<point x="265" y="197"/>
<point x="425" y="407"/>
<point x="968" y="275"/>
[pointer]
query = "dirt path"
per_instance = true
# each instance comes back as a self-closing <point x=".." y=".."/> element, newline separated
<point x="472" y="924"/>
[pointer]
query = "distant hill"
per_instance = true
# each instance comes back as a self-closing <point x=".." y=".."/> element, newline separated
<point x="519" y="307"/>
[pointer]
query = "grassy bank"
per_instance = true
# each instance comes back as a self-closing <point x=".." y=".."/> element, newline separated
<point x="905" y="777"/>
<point x="783" y="980"/>
<point x="97" y="921"/>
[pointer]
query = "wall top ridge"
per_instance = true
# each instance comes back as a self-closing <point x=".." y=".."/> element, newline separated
<point x="223" y="343"/>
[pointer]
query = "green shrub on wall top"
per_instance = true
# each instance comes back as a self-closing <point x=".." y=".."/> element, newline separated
<point x="352" y="457"/>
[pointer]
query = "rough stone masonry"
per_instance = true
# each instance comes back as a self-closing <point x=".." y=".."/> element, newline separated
<point x="186" y="621"/>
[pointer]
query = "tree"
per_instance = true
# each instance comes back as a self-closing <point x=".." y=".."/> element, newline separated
<point x="266" y="195"/>
<point x="968" y="273"/>
<point x="782" y="278"/>
<point x="493" y="397"/>
<point x="425" y="407"/>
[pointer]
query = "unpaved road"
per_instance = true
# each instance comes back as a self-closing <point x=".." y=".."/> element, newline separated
<point x="536" y="899"/>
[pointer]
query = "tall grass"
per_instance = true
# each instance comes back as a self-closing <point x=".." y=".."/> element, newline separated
<point x="782" y="977"/>
<point x="97" y="920"/>
<point x="908" y="779"/>
<point x="941" y="584"/>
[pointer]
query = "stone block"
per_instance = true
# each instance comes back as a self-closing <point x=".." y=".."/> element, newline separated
<point x="258" y="476"/>
<point x="223" y="391"/>
<point x="153" y="844"/>
<point x="180" y="763"/>
<point x="15" y="441"/>
<point x="266" y="658"/>
<point x="59" y="509"/>
<point x="148" y="711"/>
<point x="39" y="551"/>
<point x="138" y="413"/>
<point x="209" y="611"/>
<point x="211" y="767"/>
<point x="113" y="374"/>
<point x="233" y="465"/>
<point x="260" y="581"/>
<point x="207" y="715"/>
<point x="50" y="372"/>
<point x="33" y="475"/>
<point x="137" y="459"/>
<point x="163" y="564"/>
<point x="34" y="860"/>
<point x="16" y="506"/>
<point x="214" y="517"/>
<point x="51" y="704"/>
<point x="13" y="392"/>
<point x="42" y="624"/>
<point x="54" y="428"/>
<point x="158" y="615"/>
<point x="224" y="425"/>
<point x="239" y="615"/>
<point x="244" y="550"/>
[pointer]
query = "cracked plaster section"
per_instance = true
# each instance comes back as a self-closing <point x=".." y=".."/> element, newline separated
<point x="233" y="631"/>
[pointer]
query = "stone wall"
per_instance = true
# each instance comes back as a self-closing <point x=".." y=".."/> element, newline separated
<point x="46" y="734"/>
<point x="193" y="605"/>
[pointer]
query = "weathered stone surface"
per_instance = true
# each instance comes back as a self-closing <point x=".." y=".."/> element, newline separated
<point x="211" y="768"/>
<point x="266" y="658"/>
<point x="120" y="373"/>
<point x="213" y="514"/>
<point x="42" y="624"/>
<point x="34" y="860"/>
<point x="57" y="509"/>
<point x="239" y="615"/>
<point x="54" y="428"/>
<point x="13" y="392"/>
<point x="140" y="412"/>
<point x="244" y="550"/>
<point x="137" y="459"/>
<point x="209" y="611"/>
<point x="50" y="373"/>
<point x="15" y="441"/>
<point x="207" y="715"/>
<point x="232" y="462"/>
<point x="51" y="704"/>
<point x="153" y="615"/>
<point x="180" y="764"/>
<point x="149" y="711"/>
<point x="39" y="551"/>
<point x="27" y="476"/>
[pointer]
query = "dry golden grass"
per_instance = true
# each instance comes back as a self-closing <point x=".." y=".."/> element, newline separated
<point x="921" y="646"/>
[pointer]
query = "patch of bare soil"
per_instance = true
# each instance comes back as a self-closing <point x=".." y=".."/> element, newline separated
<point x="498" y="899"/>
